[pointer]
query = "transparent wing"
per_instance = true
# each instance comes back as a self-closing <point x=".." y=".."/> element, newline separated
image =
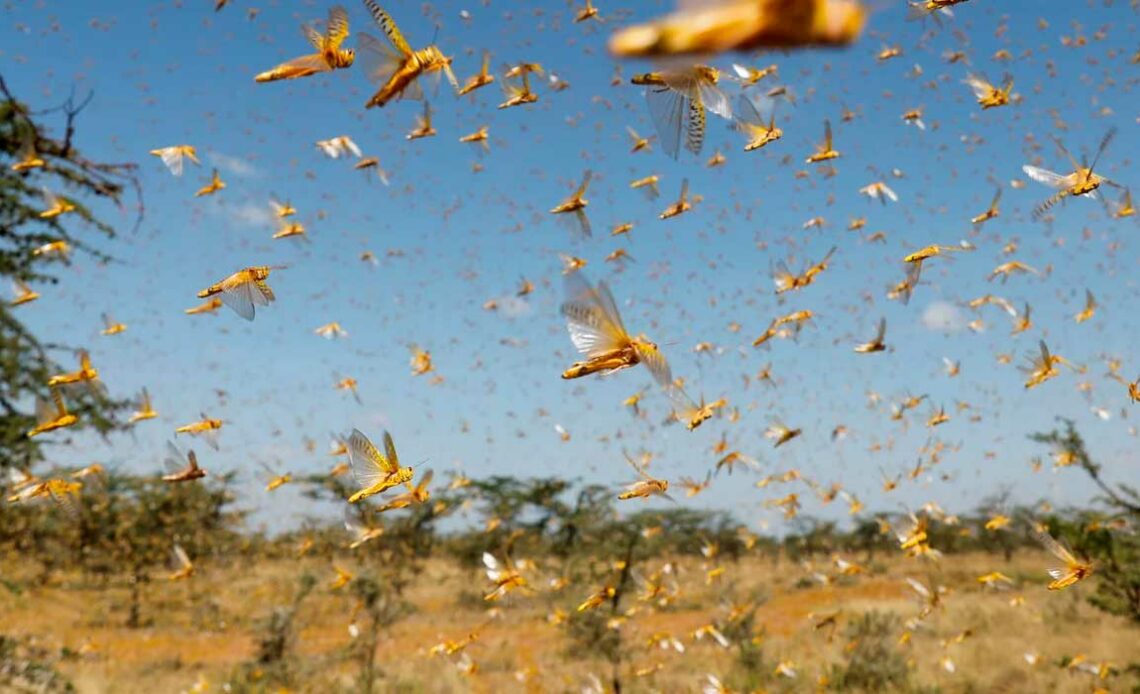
<point x="1068" y="155"/>
<point x="747" y="114"/>
<point x="583" y="223"/>
<point x="656" y="363"/>
<point x="638" y="467"/>
<point x="606" y="300"/>
<point x="980" y="86"/>
<point x="263" y="295"/>
<point x="174" y="460"/>
<point x="172" y="158"/>
<point x="210" y="436"/>
<point x="415" y="91"/>
<point x="378" y="60"/>
<point x="181" y="556"/>
<point x="714" y="99"/>
<point x="1104" y="142"/>
<point x="1055" y="548"/>
<point x="585" y="184"/>
<point x="240" y="299"/>
<point x="667" y="107"/>
<point x="1053" y="180"/>
<point x="306" y="64"/>
<point x="451" y="79"/>
<point x="490" y="562"/>
<point x="65" y="498"/>
<point x="348" y="143"/>
<point x="682" y="403"/>
<point x="45" y="412"/>
<point x="594" y="323"/>
<point x="1006" y="306"/>
<point x="352" y="521"/>
<point x="368" y="465"/>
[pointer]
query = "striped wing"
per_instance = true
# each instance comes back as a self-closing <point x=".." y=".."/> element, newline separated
<point x="385" y="22"/>
<point x="312" y="33"/>
<point x="695" y="128"/>
<point x="337" y="30"/>
<point x="390" y="451"/>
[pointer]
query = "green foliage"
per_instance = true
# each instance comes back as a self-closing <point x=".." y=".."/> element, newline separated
<point x="381" y="603"/>
<point x="751" y="670"/>
<point x="873" y="664"/>
<point x="25" y="361"/>
<point x="126" y="527"/>
<point x="1110" y="540"/>
<point x="27" y="668"/>
<point x="274" y="666"/>
<point x="279" y="635"/>
<point x="596" y="632"/>
<point x="589" y="634"/>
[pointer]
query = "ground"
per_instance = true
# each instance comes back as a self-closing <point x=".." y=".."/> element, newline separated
<point x="202" y="631"/>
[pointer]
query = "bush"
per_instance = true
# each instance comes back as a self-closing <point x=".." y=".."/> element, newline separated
<point x="873" y="663"/>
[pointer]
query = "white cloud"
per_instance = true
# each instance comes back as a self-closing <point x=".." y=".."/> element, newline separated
<point x="237" y="166"/>
<point x="513" y="306"/>
<point x="250" y="214"/>
<point x="944" y="317"/>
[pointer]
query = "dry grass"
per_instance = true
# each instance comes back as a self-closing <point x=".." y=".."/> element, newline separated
<point x="209" y="626"/>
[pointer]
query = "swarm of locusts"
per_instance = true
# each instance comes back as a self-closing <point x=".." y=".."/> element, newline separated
<point x="713" y="66"/>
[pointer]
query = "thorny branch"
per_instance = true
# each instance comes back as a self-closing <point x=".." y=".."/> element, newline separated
<point x="108" y="179"/>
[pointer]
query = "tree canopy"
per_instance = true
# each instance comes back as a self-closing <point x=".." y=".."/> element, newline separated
<point x="36" y="166"/>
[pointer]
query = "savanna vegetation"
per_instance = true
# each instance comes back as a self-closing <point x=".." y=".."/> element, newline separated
<point x="613" y="597"/>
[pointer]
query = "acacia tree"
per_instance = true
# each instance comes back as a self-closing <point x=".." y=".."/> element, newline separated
<point x="25" y="360"/>
<point x="1112" y="542"/>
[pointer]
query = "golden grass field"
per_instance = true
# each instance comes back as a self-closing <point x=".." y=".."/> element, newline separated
<point x="200" y="631"/>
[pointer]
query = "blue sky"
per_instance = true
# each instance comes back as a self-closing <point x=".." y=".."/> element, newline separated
<point x="166" y="74"/>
